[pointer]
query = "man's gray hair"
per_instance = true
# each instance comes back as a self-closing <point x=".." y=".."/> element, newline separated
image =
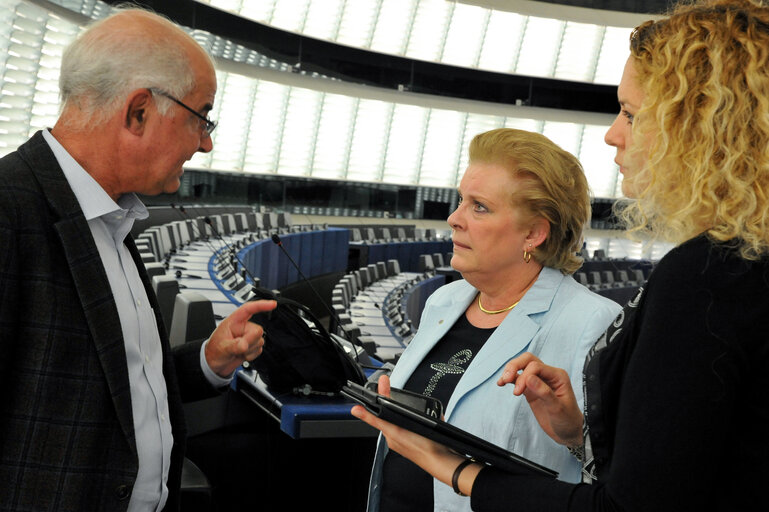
<point x="102" y="66"/>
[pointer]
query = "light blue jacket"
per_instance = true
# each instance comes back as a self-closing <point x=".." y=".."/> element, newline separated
<point x="558" y="320"/>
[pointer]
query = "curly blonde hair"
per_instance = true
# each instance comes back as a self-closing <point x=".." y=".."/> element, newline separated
<point x="553" y="186"/>
<point x="705" y="118"/>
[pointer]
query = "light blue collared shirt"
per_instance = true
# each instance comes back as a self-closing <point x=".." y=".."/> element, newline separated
<point x="110" y="223"/>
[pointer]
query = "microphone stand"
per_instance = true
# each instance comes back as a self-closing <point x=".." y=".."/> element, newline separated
<point x="276" y="239"/>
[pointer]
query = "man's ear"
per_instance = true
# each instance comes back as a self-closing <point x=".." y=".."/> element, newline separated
<point x="136" y="110"/>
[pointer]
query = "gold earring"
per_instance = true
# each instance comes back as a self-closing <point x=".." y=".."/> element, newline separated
<point x="527" y="255"/>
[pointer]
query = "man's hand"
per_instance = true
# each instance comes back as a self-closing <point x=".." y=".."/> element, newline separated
<point x="236" y="339"/>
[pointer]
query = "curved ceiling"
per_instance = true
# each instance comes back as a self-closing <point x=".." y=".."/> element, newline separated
<point x="635" y="6"/>
<point x="394" y="72"/>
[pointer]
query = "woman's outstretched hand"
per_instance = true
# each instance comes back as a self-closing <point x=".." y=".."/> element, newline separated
<point x="550" y="395"/>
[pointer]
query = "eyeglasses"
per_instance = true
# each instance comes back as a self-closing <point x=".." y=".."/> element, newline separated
<point x="208" y="125"/>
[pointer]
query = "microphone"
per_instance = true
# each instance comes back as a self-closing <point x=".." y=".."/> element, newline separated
<point x="276" y="239"/>
<point x="232" y="250"/>
<point x="225" y="245"/>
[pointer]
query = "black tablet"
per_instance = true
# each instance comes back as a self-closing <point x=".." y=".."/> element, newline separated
<point x="460" y="441"/>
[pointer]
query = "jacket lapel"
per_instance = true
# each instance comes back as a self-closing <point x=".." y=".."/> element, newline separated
<point x="512" y="337"/>
<point x="88" y="275"/>
<point x="438" y="320"/>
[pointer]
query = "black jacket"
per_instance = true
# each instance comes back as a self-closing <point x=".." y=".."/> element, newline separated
<point x="677" y="403"/>
<point x="66" y="427"/>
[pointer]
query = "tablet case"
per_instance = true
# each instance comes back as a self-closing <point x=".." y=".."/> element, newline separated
<point x="442" y="432"/>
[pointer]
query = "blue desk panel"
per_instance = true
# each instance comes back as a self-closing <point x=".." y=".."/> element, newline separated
<point x="414" y="301"/>
<point x="303" y="417"/>
<point x="325" y="252"/>
<point x="312" y="244"/>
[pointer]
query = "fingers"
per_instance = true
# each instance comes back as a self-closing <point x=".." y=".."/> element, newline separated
<point x="535" y="389"/>
<point x="420" y="450"/>
<point x="388" y="429"/>
<point x="248" y="337"/>
<point x="250" y="344"/>
<point x="236" y="339"/>
<point x="527" y="371"/>
<point x="239" y="318"/>
<point x="515" y="365"/>
<point x="361" y="413"/>
<point x="247" y="351"/>
<point x="383" y="385"/>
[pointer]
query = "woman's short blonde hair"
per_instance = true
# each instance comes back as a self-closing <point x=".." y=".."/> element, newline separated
<point x="705" y="120"/>
<point x="554" y="187"/>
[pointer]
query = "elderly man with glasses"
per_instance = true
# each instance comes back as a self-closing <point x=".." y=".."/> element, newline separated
<point x="91" y="414"/>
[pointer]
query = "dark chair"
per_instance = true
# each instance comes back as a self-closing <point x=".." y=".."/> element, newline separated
<point x="365" y="277"/>
<point x="607" y="278"/>
<point x="381" y="268"/>
<point x="241" y="223"/>
<point x="195" y="489"/>
<point x="193" y="318"/>
<point x="284" y="220"/>
<point x="166" y="288"/>
<point x="425" y="263"/>
<point x="393" y="268"/>
<point x="581" y="278"/>
<point x="594" y="280"/>
<point x="155" y="269"/>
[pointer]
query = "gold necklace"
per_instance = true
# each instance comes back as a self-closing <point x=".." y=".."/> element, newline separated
<point x="489" y="312"/>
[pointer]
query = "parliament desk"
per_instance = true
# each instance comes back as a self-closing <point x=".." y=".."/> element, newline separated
<point x="303" y="417"/>
<point x="285" y="452"/>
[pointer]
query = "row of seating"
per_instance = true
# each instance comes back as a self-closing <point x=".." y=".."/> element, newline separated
<point x="367" y="303"/>
<point x="430" y="262"/>
<point x="383" y="235"/>
<point x="598" y="255"/>
<point x="596" y="280"/>
<point x="336" y="211"/>
<point x="188" y="313"/>
<point x="185" y="249"/>
<point x="407" y="253"/>
<point x="178" y="255"/>
<point x="164" y="239"/>
<point x="617" y="280"/>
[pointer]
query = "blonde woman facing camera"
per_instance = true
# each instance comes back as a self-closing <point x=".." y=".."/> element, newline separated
<point x="676" y="411"/>
<point x="516" y="232"/>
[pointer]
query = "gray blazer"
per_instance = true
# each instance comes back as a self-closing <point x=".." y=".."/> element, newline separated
<point x="66" y="427"/>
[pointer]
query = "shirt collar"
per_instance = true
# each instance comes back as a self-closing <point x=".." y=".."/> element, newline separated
<point x="93" y="199"/>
